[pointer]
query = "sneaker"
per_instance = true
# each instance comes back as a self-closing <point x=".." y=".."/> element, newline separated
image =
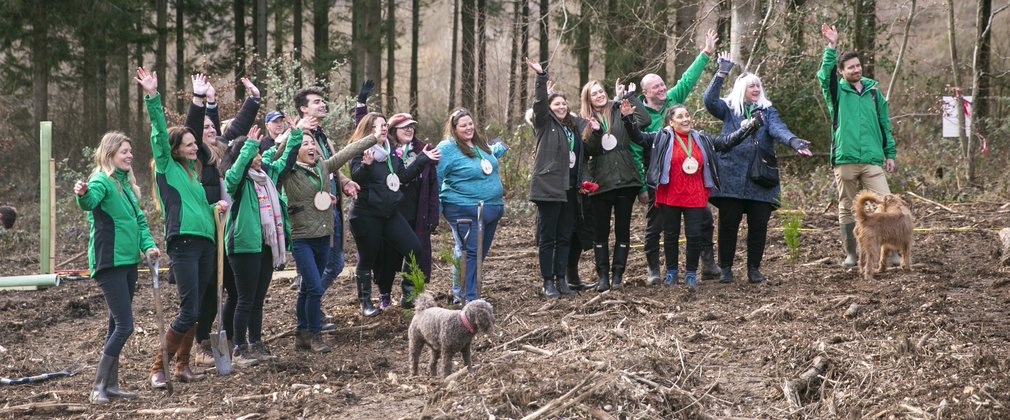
<point x="671" y="277"/>
<point x="384" y="301"/>
<point x="260" y="351"/>
<point x="691" y="278"/>
<point x="203" y="356"/>
<point x="726" y="276"/>
<point x="242" y="357"/>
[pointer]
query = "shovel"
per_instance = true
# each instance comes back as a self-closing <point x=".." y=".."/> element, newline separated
<point x="219" y="340"/>
<point x="462" y="255"/>
<point x="156" y="286"/>
<point x="480" y="247"/>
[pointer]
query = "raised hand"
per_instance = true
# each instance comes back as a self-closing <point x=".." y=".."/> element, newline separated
<point x="308" y="123"/>
<point x="551" y="87"/>
<point x="627" y="108"/>
<point x="533" y="65"/>
<point x="211" y="93"/>
<point x="147" y="80"/>
<point x="200" y="84"/>
<point x="619" y="89"/>
<point x="711" y="38"/>
<point x="365" y="90"/>
<point x="725" y="63"/>
<point x="631" y="88"/>
<point x="250" y="87"/>
<point x="830" y="34"/>
<point x="594" y="123"/>
<point x="433" y="154"/>
<point x="254" y="133"/>
<point x="368" y="157"/>
<point x="80" y="188"/>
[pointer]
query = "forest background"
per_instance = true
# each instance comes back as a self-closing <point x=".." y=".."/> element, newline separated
<point x="71" y="62"/>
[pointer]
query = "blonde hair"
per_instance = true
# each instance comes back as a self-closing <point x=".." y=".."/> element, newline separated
<point x="365" y="127"/>
<point x="735" y="99"/>
<point x="106" y="153"/>
<point x="586" y="105"/>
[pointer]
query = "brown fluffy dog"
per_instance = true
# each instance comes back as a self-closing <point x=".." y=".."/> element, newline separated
<point x="446" y="332"/>
<point x="887" y="229"/>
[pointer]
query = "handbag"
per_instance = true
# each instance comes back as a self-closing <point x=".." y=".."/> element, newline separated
<point x="764" y="168"/>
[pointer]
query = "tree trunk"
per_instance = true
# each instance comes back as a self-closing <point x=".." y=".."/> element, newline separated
<point x="138" y="59"/>
<point x="278" y="35"/>
<point x="239" y="64"/>
<point x="980" y="76"/>
<point x="742" y="29"/>
<point x="102" y="82"/>
<point x="864" y="33"/>
<point x="415" y="27"/>
<point x="161" y="58"/>
<point x="296" y="44"/>
<point x="955" y="67"/>
<point x="524" y="49"/>
<point x="123" y="104"/>
<point x="390" y="53"/>
<point x="795" y="11"/>
<point x="261" y="46"/>
<point x="513" y="65"/>
<point x="685" y="49"/>
<point x="467" y="52"/>
<point x="180" y="55"/>
<point x="482" y="60"/>
<point x="723" y="23"/>
<point x="544" y="33"/>
<point x="371" y="33"/>
<point x="40" y="63"/>
<point x="901" y="52"/>
<point x="583" y="37"/>
<point x="454" y="53"/>
<point x="321" y="62"/>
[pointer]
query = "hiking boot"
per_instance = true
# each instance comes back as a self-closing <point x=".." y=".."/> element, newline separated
<point x="849" y="241"/>
<point x="385" y="300"/>
<point x="754" y="275"/>
<point x="302" y="340"/>
<point x="652" y="259"/>
<point x="691" y="278"/>
<point x="563" y="287"/>
<point x="550" y="292"/>
<point x="726" y="275"/>
<point x="317" y="344"/>
<point x="242" y="357"/>
<point x="112" y="385"/>
<point x="260" y="351"/>
<point x="98" y="392"/>
<point x="709" y="269"/>
<point x="671" y="277"/>
<point x="203" y="356"/>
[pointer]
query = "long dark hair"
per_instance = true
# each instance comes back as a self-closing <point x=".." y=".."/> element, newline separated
<point x="450" y="131"/>
<point x="175" y="135"/>
<point x="567" y="121"/>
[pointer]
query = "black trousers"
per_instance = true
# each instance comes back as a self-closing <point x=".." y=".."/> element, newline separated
<point x="193" y="259"/>
<point x="693" y="220"/>
<point x="555" y="224"/>
<point x="731" y="211"/>
<point x="375" y="235"/>
<point x="208" y="308"/>
<point x="621" y="201"/>
<point x="654" y="226"/>
<point x="252" y="280"/>
<point x="118" y="284"/>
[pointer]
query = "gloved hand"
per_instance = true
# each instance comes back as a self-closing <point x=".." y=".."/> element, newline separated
<point x="725" y="64"/>
<point x="759" y="118"/>
<point x="797" y="143"/>
<point x="365" y="90"/>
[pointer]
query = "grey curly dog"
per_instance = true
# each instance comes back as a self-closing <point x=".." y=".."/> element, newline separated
<point x="446" y="331"/>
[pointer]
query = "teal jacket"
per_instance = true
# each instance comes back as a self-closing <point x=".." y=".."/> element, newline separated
<point x="183" y="200"/>
<point x="863" y="134"/>
<point x="243" y="231"/>
<point x="675" y="95"/>
<point x="119" y="231"/>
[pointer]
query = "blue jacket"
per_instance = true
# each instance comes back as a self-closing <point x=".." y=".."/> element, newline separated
<point x="735" y="163"/>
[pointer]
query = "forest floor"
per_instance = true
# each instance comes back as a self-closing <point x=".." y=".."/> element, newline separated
<point x="815" y="341"/>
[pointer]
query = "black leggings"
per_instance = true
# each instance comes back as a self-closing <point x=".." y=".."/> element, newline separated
<point x="374" y="235"/>
<point x="208" y="308"/>
<point x="193" y="268"/>
<point x="693" y="219"/>
<point x="622" y="201"/>
<point x="555" y="222"/>
<point x="252" y="279"/>
<point x="118" y="284"/>
<point x="731" y="211"/>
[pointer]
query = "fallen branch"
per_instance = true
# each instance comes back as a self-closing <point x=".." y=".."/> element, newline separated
<point x="356" y="328"/>
<point x="821" y="261"/>
<point x="272" y="395"/>
<point x="792" y="389"/>
<point x="931" y="202"/>
<point x="569" y="399"/>
<point x="47" y="408"/>
<point x="166" y="411"/>
<point x="539" y="351"/>
<point x="536" y="331"/>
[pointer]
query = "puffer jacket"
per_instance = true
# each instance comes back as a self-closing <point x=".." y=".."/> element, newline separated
<point x="119" y="231"/>
<point x="863" y="134"/>
<point x="616" y="168"/>
<point x="550" y="177"/>
<point x="660" y="147"/>
<point x="735" y="163"/>
<point x="210" y="177"/>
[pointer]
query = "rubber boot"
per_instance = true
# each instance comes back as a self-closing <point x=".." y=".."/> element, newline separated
<point x="98" y="392"/>
<point x="726" y="276"/>
<point x="754" y="275"/>
<point x="112" y="386"/>
<point x="574" y="281"/>
<point x="849" y="241"/>
<point x="550" y="292"/>
<point x="652" y="258"/>
<point x="172" y="338"/>
<point x="563" y="287"/>
<point x="406" y="299"/>
<point x="302" y="340"/>
<point x="620" y="261"/>
<point x="182" y="371"/>
<point x="709" y="269"/>
<point x="602" y="254"/>
<point x="364" y="282"/>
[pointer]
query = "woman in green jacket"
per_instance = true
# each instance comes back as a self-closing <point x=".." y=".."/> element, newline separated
<point x="189" y="227"/>
<point x="256" y="237"/>
<point x="119" y="234"/>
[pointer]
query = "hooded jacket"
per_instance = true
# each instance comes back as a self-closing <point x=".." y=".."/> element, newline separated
<point x="119" y="231"/>
<point x="863" y="134"/>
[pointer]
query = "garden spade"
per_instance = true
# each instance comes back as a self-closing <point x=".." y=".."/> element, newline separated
<point x="152" y="263"/>
<point x="480" y="246"/>
<point x="462" y="256"/>
<point x="219" y="340"/>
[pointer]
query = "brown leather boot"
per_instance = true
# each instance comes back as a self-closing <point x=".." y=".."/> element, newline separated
<point x="173" y="339"/>
<point x="317" y="343"/>
<point x="302" y="338"/>
<point x="182" y="371"/>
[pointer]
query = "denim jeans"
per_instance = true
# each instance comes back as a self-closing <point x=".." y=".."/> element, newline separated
<point x="310" y="258"/>
<point x="118" y="284"/>
<point x="335" y="261"/>
<point x="452" y="213"/>
<point x="193" y="260"/>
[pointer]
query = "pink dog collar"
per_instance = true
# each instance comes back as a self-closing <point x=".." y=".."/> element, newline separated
<point x="466" y="323"/>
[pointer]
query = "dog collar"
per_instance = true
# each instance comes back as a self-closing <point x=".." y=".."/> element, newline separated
<point x="466" y="322"/>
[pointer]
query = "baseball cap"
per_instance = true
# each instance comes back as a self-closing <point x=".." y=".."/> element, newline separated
<point x="273" y="115"/>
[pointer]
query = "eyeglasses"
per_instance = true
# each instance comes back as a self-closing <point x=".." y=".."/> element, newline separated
<point x="409" y="127"/>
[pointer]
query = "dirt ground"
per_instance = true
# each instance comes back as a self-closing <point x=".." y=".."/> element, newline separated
<point x="930" y="343"/>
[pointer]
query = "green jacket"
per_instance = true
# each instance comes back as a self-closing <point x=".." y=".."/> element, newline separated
<point x="119" y="231"/>
<point x="243" y="231"/>
<point x="301" y="187"/>
<point x="863" y="134"/>
<point x="675" y="95"/>
<point x="183" y="201"/>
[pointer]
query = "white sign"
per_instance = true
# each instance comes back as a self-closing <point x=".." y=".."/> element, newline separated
<point x="950" y="116"/>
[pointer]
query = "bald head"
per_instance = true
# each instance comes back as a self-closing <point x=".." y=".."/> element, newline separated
<point x="654" y="90"/>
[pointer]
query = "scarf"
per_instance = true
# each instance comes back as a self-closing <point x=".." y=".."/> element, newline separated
<point x="380" y="153"/>
<point x="271" y="219"/>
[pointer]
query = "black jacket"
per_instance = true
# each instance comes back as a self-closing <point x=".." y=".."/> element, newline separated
<point x="375" y="198"/>
<point x="244" y="120"/>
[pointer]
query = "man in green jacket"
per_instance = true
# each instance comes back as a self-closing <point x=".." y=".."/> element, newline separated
<point x="862" y="147"/>
<point x="657" y="100"/>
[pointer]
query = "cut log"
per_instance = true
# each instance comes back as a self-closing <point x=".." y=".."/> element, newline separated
<point x="1004" y="238"/>
<point x="805" y="382"/>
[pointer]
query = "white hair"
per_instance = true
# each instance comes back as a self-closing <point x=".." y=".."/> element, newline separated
<point x="735" y="98"/>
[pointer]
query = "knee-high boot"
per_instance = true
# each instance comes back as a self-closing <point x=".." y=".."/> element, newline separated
<point x="364" y="282"/>
<point x="173" y="339"/>
<point x="620" y="262"/>
<point x="602" y="254"/>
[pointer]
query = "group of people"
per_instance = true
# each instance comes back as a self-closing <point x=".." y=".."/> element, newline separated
<point x="282" y="190"/>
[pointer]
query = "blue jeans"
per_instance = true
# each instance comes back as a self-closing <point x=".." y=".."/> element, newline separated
<point x="335" y="262"/>
<point x="310" y="259"/>
<point x="492" y="214"/>
<point x="118" y="284"/>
